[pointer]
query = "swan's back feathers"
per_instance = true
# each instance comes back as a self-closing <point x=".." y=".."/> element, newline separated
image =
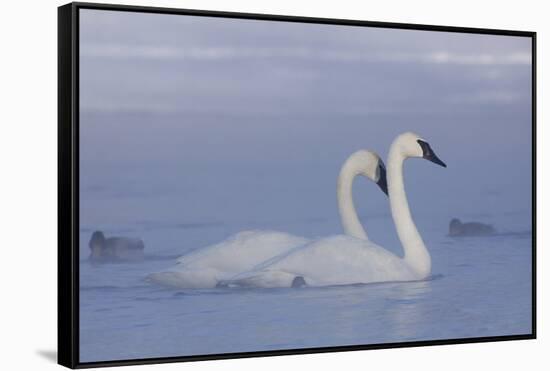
<point x="336" y="260"/>
<point x="241" y="251"/>
<point x="206" y="267"/>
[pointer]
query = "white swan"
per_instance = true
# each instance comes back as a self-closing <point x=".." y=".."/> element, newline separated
<point x="340" y="260"/>
<point x="206" y="267"/>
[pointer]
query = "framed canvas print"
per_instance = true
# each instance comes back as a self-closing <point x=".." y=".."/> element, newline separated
<point x="236" y="185"/>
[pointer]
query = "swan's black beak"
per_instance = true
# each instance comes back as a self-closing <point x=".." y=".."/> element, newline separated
<point x="382" y="181"/>
<point x="429" y="154"/>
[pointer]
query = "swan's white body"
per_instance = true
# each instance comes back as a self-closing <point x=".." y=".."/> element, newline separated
<point x="206" y="267"/>
<point x="340" y="260"/>
<point x="334" y="260"/>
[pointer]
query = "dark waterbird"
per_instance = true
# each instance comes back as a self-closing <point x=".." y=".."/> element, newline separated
<point x="115" y="249"/>
<point x="457" y="228"/>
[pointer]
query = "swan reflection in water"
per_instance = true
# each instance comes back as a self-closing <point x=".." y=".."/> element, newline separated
<point x="408" y="310"/>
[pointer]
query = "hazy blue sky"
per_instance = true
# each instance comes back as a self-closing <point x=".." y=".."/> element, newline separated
<point x="151" y="62"/>
<point x="243" y="118"/>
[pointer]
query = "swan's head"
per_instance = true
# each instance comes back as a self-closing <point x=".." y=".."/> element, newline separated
<point x="96" y="244"/>
<point x="412" y="145"/>
<point x="370" y="165"/>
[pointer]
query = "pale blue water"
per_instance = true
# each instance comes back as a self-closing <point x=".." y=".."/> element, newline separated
<point x="481" y="286"/>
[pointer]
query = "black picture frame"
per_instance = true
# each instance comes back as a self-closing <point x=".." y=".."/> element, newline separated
<point x="68" y="182"/>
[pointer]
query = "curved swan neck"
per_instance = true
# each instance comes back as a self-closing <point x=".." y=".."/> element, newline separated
<point x="416" y="254"/>
<point x="348" y="215"/>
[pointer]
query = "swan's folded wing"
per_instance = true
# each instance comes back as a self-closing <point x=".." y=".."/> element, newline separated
<point x="210" y="266"/>
<point x="242" y="251"/>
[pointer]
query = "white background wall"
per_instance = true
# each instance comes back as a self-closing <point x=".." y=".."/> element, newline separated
<point x="28" y="181"/>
